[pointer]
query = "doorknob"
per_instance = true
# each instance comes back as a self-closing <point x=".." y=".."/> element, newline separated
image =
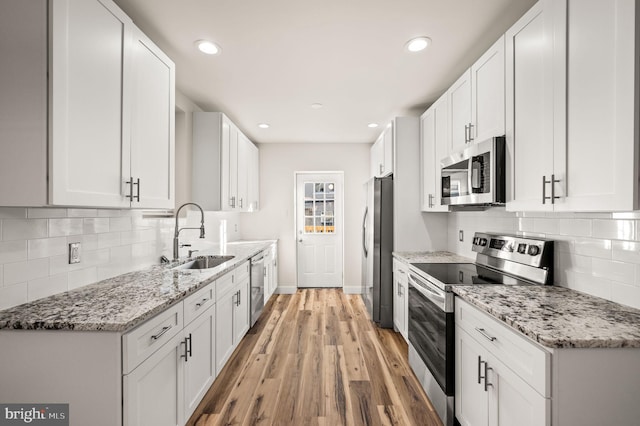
<point x="300" y="240"/>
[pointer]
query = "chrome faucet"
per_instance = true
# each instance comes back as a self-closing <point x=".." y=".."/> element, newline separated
<point x="176" y="244"/>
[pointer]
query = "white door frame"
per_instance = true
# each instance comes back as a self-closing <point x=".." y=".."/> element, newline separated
<point x="295" y="217"/>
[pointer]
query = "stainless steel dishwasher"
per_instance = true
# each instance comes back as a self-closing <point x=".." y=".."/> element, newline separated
<point x="257" y="287"/>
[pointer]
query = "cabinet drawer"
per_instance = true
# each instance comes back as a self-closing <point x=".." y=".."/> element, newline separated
<point x="140" y="343"/>
<point x="224" y="284"/>
<point x="522" y="356"/>
<point x="242" y="271"/>
<point x="198" y="302"/>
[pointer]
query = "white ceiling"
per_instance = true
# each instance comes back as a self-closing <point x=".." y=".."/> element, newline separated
<point x="280" y="56"/>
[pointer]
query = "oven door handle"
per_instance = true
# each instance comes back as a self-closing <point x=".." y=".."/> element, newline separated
<point x="434" y="295"/>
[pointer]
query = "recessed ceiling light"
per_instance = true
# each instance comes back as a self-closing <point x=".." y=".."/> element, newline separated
<point x="372" y="125"/>
<point x="208" y="47"/>
<point x="316" y="105"/>
<point x="263" y="125"/>
<point x="417" y="44"/>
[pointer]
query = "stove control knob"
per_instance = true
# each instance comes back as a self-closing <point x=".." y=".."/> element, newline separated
<point x="509" y="247"/>
<point x="482" y="242"/>
<point x="534" y="250"/>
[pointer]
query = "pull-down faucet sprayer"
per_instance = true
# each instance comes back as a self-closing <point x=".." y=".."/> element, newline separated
<point x="176" y="244"/>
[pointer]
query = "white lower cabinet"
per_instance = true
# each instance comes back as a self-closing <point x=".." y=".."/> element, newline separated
<point x="153" y="392"/>
<point x="232" y="312"/>
<point x="271" y="271"/>
<point x="400" y="300"/>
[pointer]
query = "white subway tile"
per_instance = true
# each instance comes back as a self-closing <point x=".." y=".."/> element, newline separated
<point x="13" y="251"/>
<point x="45" y="213"/>
<point x="120" y="224"/>
<point x="107" y="240"/>
<point x="626" y="295"/>
<point x="614" y="229"/>
<point x="63" y="227"/>
<point x="614" y="271"/>
<point x="110" y="213"/>
<point x="574" y="262"/>
<point x="586" y="283"/>
<point x="1" y="275"/>
<point x="82" y="212"/>
<point x="13" y="213"/>
<point x="525" y="224"/>
<point x="18" y="272"/>
<point x="626" y="215"/>
<point x="545" y="225"/>
<point x="626" y="251"/>
<point x="129" y="237"/>
<point x="593" y="247"/>
<point x="83" y="277"/>
<point x="110" y="271"/>
<point x="43" y="287"/>
<point x="88" y="241"/>
<point x="120" y="255"/>
<point x="575" y="227"/>
<point x="47" y="247"/>
<point x="13" y="295"/>
<point x="96" y="225"/>
<point x="97" y="257"/>
<point x="23" y="229"/>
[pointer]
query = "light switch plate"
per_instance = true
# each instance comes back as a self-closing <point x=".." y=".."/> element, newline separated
<point x="74" y="253"/>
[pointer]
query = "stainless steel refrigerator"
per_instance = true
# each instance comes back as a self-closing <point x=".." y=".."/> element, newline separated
<point x="377" y="245"/>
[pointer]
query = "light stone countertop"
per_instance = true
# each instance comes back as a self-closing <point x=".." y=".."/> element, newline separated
<point x="555" y="317"/>
<point x="431" y="257"/>
<point x="122" y="302"/>
<point x="558" y="317"/>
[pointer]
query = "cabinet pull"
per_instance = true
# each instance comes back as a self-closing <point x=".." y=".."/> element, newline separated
<point x="484" y="333"/>
<point x="381" y="168"/>
<point x="240" y="202"/>
<point x="553" y="188"/>
<point x="130" y="183"/>
<point x="137" y="190"/>
<point x="480" y="376"/>
<point x="480" y="369"/>
<point x="190" y="348"/>
<point x="185" y="355"/>
<point x="232" y="202"/>
<point x="471" y="138"/>
<point x="466" y="133"/>
<point x="430" y="202"/>
<point x="202" y="302"/>
<point x="238" y="299"/>
<point x="544" y="189"/>
<point x="164" y="330"/>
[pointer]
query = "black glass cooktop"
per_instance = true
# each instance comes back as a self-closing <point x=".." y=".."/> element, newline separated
<point x="465" y="274"/>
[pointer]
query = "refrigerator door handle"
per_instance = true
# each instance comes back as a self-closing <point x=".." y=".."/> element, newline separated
<point x="364" y="232"/>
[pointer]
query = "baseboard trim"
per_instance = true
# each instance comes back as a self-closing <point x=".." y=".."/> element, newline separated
<point x="286" y="289"/>
<point x="352" y="289"/>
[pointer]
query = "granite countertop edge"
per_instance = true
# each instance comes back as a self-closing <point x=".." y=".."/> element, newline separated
<point x="73" y="310"/>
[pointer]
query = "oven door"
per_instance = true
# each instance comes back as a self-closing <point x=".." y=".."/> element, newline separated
<point x="431" y="329"/>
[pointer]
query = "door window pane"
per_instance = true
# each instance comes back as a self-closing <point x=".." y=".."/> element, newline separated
<point x="319" y="207"/>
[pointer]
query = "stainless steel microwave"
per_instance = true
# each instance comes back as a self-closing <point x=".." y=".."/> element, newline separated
<point x="475" y="175"/>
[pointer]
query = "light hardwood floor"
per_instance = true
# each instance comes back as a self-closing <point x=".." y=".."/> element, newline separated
<point x="315" y="358"/>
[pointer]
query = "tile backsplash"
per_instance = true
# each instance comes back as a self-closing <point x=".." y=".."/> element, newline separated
<point x="595" y="253"/>
<point x="34" y="244"/>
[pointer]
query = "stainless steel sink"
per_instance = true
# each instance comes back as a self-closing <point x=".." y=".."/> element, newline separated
<point x="205" y="262"/>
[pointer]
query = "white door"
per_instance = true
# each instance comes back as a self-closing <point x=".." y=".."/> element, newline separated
<point x="319" y="229"/>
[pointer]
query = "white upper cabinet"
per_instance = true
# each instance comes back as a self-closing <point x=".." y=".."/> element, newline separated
<point x="459" y="100"/>
<point x="572" y="121"/>
<point x="382" y="153"/>
<point x="434" y="139"/>
<point x="487" y="94"/>
<point x="223" y="174"/>
<point x="152" y="125"/>
<point x="108" y="116"/>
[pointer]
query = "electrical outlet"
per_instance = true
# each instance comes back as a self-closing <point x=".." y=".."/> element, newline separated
<point x="74" y="253"/>
<point x="461" y="235"/>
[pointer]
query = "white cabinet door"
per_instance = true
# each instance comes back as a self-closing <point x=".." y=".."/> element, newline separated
<point x="530" y="108"/>
<point x="511" y="400"/>
<point x="377" y="157"/>
<point x="459" y="98"/>
<point x="597" y="169"/>
<point x="224" y="328"/>
<point x="89" y="144"/>
<point x="471" y="400"/>
<point x="200" y="366"/>
<point x="243" y="172"/>
<point x="487" y="98"/>
<point x="234" y="135"/>
<point x="387" y="152"/>
<point x="253" y="192"/>
<point x="153" y="392"/>
<point x="241" y="311"/>
<point x="152" y="125"/>
<point x="400" y="311"/>
<point x="434" y="145"/>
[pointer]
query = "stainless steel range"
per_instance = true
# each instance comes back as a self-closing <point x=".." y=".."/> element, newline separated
<point x="500" y="260"/>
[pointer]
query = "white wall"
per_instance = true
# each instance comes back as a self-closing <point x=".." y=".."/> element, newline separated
<point x="275" y="220"/>
<point x="595" y="253"/>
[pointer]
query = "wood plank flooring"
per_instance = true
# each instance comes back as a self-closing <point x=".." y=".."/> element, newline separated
<point x="315" y="358"/>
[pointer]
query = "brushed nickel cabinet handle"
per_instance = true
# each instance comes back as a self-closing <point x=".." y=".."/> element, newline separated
<point x="159" y="335"/>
